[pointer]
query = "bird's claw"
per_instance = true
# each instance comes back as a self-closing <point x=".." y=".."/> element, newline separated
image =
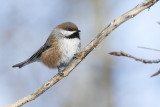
<point x="61" y="73"/>
<point x="75" y="56"/>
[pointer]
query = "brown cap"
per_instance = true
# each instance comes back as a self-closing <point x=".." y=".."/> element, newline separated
<point x="69" y="26"/>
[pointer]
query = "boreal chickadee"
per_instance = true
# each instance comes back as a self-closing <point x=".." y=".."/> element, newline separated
<point x="59" y="49"/>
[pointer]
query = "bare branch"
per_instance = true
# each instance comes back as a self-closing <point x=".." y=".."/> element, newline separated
<point x="137" y="59"/>
<point x="130" y="56"/>
<point x="155" y="74"/>
<point x="86" y="50"/>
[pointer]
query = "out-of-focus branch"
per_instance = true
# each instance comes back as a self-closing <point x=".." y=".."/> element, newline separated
<point x="155" y="74"/>
<point x="86" y="50"/>
<point x="137" y="59"/>
<point x="130" y="56"/>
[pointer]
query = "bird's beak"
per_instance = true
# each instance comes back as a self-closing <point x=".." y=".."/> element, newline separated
<point x="78" y="31"/>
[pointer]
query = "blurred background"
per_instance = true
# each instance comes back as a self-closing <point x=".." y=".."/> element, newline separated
<point x="100" y="80"/>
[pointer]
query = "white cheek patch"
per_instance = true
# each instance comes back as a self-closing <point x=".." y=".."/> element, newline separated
<point x="67" y="33"/>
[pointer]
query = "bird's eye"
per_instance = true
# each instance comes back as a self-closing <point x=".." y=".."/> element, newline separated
<point x="70" y="29"/>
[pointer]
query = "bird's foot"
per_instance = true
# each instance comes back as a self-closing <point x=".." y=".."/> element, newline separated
<point x="75" y="56"/>
<point x="61" y="73"/>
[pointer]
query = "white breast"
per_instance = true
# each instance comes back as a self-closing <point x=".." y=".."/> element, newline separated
<point x="69" y="48"/>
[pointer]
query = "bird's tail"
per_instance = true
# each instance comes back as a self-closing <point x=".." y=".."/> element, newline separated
<point x="34" y="57"/>
<point x="20" y="65"/>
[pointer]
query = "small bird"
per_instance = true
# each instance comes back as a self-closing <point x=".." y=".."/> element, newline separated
<point x="59" y="49"/>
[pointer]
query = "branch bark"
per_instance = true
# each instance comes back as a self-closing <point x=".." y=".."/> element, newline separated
<point x="137" y="59"/>
<point x="85" y="51"/>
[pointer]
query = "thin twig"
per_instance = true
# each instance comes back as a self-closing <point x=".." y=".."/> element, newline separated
<point x="130" y="56"/>
<point x="137" y="59"/>
<point x="155" y="74"/>
<point x="148" y="48"/>
<point x="86" y="50"/>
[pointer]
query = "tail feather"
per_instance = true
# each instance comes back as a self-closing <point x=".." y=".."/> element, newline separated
<point x="34" y="57"/>
<point x="20" y="65"/>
